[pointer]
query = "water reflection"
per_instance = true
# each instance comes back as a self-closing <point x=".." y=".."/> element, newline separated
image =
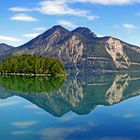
<point x="80" y="94"/>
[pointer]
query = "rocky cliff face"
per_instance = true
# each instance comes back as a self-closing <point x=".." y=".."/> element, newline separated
<point x="81" y="49"/>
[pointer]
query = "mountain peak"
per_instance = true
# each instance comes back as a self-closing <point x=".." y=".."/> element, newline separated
<point x="58" y="27"/>
<point x="48" y="38"/>
<point x="83" y="28"/>
<point x="85" y="32"/>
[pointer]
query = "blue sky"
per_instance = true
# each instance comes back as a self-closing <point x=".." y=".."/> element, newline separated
<point x="22" y="20"/>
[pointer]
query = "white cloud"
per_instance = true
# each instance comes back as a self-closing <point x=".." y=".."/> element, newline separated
<point x="129" y="115"/>
<point x="59" y="8"/>
<point x="9" y="38"/>
<point x="40" y="29"/>
<point x="129" y="27"/>
<point x="31" y="35"/>
<point x="93" y="17"/>
<point x="60" y="133"/>
<point x="109" y="2"/>
<point x="67" y="23"/>
<point x="100" y="35"/>
<point x="24" y="124"/>
<point x="62" y="8"/>
<point x="54" y="7"/>
<point x="31" y="106"/>
<point x="23" y="17"/>
<point x="10" y="103"/>
<point x="21" y="132"/>
<point x="19" y="9"/>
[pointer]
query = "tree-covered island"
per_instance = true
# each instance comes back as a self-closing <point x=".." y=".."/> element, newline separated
<point x="32" y="65"/>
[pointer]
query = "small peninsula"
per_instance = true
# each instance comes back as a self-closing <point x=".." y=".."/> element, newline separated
<point x="32" y="65"/>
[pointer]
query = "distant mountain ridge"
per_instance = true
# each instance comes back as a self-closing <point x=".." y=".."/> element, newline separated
<point x="3" y="49"/>
<point x="81" y="49"/>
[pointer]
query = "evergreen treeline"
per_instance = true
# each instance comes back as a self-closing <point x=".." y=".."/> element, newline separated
<point x="32" y="64"/>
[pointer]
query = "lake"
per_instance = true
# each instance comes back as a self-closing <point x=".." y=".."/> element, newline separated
<point x="79" y="107"/>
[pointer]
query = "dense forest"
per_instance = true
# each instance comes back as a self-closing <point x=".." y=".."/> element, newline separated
<point x="32" y="64"/>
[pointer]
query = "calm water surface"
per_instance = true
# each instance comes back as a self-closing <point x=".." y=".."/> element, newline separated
<point x="97" y="107"/>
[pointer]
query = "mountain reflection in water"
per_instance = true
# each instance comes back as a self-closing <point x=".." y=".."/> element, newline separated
<point x="80" y="94"/>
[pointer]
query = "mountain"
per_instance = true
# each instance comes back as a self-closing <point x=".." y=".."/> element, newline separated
<point x="81" y="49"/>
<point x="4" y="48"/>
<point x="80" y="95"/>
<point x="84" y="32"/>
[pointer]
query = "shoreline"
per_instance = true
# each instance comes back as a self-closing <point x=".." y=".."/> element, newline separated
<point x="69" y="73"/>
<point x="31" y="74"/>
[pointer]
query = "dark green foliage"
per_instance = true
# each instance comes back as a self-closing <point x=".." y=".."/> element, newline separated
<point x="32" y="84"/>
<point x="32" y="64"/>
